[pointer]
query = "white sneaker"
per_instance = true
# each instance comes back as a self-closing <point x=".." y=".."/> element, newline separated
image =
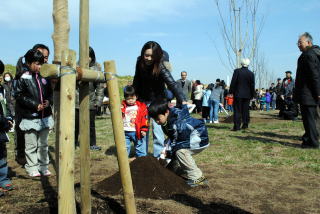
<point x="216" y="121"/>
<point x="34" y="174"/>
<point x="46" y="173"/>
<point x="210" y="121"/>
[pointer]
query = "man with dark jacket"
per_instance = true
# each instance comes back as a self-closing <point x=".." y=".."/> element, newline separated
<point x="286" y="92"/>
<point x="277" y="90"/>
<point x="242" y="88"/>
<point x="307" y="89"/>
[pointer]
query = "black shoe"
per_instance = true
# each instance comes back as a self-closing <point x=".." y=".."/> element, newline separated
<point x="1" y="194"/>
<point x="244" y="127"/>
<point x="95" y="148"/>
<point x="21" y="160"/>
<point x="234" y="129"/>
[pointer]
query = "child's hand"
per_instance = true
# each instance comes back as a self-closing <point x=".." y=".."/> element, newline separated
<point x="45" y="104"/>
<point x="143" y="133"/>
<point x="40" y="107"/>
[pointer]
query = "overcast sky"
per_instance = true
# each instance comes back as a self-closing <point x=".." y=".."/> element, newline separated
<point x="186" y="29"/>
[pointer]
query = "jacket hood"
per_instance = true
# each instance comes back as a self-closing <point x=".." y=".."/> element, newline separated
<point x="316" y="49"/>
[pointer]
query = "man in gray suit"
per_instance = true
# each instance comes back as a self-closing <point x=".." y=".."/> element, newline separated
<point x="185" y="85"/>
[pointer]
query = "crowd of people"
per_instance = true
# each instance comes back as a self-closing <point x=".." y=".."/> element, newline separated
<point x="26" y="100"/>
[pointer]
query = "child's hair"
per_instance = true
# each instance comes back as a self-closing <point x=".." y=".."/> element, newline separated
<point x="34" y="56"/>
<point x="1" y="67"/>
<point x="158" y="107"/>
<point x="129" y="91"/>
<point x="210" y="86"/>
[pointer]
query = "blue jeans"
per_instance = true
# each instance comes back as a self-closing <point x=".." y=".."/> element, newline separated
<point x="140" y="145"/>
<point x="158" y="139"/>
<point x="4" y="180"/>
<point x="273" y="104"/>
<point x="214" y="107"/>
<point x="268" y="106"/>
<point x="230" y="108"/>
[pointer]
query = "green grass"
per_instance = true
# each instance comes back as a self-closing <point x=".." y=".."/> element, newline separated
<point x="272" y="143"/>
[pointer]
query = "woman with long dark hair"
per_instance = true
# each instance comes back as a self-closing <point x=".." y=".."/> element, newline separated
<point x="150" y="81"/>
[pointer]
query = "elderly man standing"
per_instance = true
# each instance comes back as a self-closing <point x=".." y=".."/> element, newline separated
<point x="307" y="89"/>
<point x="185" y="85"/>
<point x="242" y="88"/>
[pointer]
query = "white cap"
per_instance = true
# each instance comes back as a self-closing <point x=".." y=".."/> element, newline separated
<point x="245" y="62"/>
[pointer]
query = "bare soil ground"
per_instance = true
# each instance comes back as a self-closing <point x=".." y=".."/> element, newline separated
<point x="260" y="170"/>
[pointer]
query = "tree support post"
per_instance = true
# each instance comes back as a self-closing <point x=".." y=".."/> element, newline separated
<point x="84" y="120"/>
<point x="66" y="193"/>
<point x="119" y="137"/>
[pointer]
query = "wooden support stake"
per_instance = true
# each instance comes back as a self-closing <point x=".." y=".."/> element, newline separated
<point x="84" y="120"/>
<point x="119" y="137"/>
<point x="66" y="194"/>
<point x="83" y="74"/>
<point x="60" y="39"/>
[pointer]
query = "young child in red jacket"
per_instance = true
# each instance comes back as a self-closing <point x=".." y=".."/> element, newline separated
<point x="229" y="99"/>
<point x="135" y="122"/>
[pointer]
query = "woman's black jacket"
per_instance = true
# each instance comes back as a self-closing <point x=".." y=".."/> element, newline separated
<point x="150" y="87"/>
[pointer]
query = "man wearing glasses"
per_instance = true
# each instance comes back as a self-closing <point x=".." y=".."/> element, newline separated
<point x="185" y="85"/>
<point x="307" y="89"/>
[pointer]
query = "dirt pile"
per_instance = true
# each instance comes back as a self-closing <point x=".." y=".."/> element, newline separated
<point x="150" y="180"/>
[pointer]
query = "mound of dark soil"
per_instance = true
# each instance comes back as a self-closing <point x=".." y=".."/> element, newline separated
<point x="149" y="178"/>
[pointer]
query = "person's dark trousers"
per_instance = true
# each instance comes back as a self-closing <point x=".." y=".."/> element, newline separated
<point x="309" y="117"/>
<point x="4" y="180"/>
<point x="19" y="140"/>
<point x="92" y="128"/>
<point x="278" y="102"/>
<point x="281" y="105"/>
<point x="241" y="113"/>
<point x="205" y="112"/>
<point x="198" y="105"/>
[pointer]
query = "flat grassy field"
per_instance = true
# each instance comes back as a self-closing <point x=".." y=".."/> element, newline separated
<point x="259" y="170"/>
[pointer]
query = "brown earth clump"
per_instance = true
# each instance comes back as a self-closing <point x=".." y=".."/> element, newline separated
<point x="150" y="180"/>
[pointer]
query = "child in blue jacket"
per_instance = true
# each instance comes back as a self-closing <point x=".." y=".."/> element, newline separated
<point x="187" y="136"/>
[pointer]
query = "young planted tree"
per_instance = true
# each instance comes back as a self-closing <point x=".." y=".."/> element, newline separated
<point x="240" y="29"/>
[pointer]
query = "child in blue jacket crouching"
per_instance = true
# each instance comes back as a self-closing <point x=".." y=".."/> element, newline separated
<point x="187" y="136"/>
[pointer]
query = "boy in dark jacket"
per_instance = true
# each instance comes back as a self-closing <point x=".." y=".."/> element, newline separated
<point x="6" y="123"/>
<point x="135" y="122"/>
<point x="187" y="136"/>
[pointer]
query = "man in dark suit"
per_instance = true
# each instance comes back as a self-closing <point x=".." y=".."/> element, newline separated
<point x="242" y="88"/>
<point x="185" y="85"/>
<point x="307" y="89"/>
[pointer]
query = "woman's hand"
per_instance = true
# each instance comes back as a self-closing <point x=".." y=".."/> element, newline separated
<point x="143" y="133"/>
